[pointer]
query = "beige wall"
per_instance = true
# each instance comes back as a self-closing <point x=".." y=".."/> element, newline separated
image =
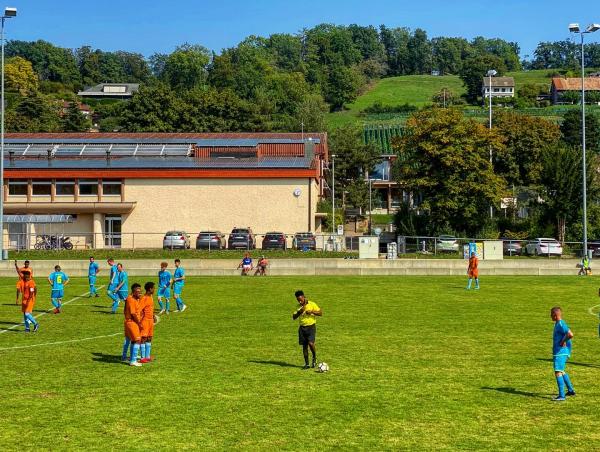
<point x="216" y="204"/>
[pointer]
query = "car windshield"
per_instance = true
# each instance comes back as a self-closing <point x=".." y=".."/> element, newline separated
<point x="175" y="233"/>
<point x="240" y="231"/>
<point x="304" y="235"/>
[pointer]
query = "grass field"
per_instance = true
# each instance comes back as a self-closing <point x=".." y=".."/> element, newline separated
<point x="416" y="363"/>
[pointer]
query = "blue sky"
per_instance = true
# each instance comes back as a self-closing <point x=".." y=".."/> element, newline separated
<point x="158" y="26"/>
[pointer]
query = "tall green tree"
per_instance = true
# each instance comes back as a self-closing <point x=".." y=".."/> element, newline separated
<point x="34" y="113"/>
<point x="474" y="69"/>
<point x="186" y="67"/>
<point x="571" y="130"/>
<point x="20" y="76"/>
<point x="74" y="120"/>
<point x="444" y="160"/>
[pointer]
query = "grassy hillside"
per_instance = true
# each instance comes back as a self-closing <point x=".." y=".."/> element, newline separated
<point x="416" y="90"/>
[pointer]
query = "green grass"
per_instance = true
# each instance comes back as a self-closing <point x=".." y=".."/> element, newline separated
<point x="171" y="254"/>
<point x="416" y="363"/>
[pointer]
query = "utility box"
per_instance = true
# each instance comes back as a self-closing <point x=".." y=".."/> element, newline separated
<point x="368" y="247"/>
<point x="493" y="250"/>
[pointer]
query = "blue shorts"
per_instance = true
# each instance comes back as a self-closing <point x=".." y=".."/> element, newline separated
<point x="164" y="292"/>
<point x="560" y="362"/>
<point x="57" y="294"/>
<point x="92" y="280"/>
<point x="122" y="294"/>
<point x="177" y="289"/>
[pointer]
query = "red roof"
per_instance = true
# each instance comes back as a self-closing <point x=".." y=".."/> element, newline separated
<point x="574" y="84"/>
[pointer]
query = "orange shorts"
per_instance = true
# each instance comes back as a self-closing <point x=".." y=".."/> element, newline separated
<point x="132" y="331"/>
<point x="474" y="274"/>
<point x="147" y="328"/>
<point x="27" y="306"/>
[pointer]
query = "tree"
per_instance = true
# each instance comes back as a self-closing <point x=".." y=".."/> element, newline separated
<point x="445" y="98"/>
<point x="395" y="42"/>
<point x="153" y="109"/>
<point x="473" y="71"/>
<point x="20" y="76"/>
<point x="571" y="130"/>
<point x="444" y="159"/>
<point x="74" y="120"/>
<point x="342" y="86"/>
<point x="358" y="194"/>
<point x="311" y="113"/>
<point x="354" y="159"/>
<point x="186" y="67"/>
<point x="508" y="52"/>
<point x="34" y="113"/>
<point x="419" y="53"/>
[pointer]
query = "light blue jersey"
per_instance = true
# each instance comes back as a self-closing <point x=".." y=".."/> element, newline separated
<point x="93" y="269"/>
<point x="112" y="281"/>
<point x="164" y="279"/>
<point x="122" y="278"/>
<point x="179" y="273"/>
<point x="58" y="280"/>
<point x="560" y="334"/>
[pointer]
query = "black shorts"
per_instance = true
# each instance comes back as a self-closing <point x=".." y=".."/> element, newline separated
<point x="307" y="334"/>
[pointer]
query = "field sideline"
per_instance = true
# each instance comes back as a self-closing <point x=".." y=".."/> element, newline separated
<point x="416" y="362"/>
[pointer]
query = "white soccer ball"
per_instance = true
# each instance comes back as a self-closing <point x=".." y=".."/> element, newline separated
<point x="323" y="367"/>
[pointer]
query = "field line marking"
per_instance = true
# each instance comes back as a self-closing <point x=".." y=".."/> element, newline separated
<point x="591" y="310"/>
<point x="59" y="342"/>
<point x="49" y="310"/>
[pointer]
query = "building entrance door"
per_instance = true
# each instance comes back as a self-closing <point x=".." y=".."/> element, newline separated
<point x="112" y="231"/>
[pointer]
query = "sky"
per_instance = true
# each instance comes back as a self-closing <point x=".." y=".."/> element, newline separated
<point x="149" y="26"/>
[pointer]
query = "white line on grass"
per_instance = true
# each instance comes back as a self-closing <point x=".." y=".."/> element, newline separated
<point x="49" y="310"/>
<point x="591" y="310"/>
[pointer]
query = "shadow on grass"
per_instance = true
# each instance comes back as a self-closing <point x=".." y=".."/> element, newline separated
<point x="104" y="312"/>
<point x="572" y="363"/>
<point x="10" y="323"/>
<point x="12" y="304"/>
<point x="109" y="359"/>
<point x="274" y="363"/>
<point x="515" y="391"/>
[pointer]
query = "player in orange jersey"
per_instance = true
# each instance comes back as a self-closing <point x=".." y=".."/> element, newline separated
<point x="147" y="310"/>
<point x="133" y="320"/>
<point x="473" y="271"/>
<point x="24" y="269"/>
<point x="28" y="293"/>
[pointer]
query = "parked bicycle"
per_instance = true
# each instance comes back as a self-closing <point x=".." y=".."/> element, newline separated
<point x="52" y="242"/>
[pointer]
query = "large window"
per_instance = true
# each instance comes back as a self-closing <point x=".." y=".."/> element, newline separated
<point x="88" y="187"/>
<point x="17" y="187"/>
<point x="65" y="188"/>
<point x="41" y="188"/>
<point x="111" y="187"/>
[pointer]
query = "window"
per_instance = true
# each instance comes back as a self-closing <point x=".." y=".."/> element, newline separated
<point x="65" y="188"/>
<point x="496" y="90"/>
<point x="111" y="188"/>
<point x="115" y="89"/>
<point x="17" y="187"/>
<point x="41" y="188"/>
<point x="503" y="90"/>
<point x="88" y="187"/>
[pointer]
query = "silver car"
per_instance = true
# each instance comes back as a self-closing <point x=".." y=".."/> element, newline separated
<point x="447" y="244"/>
<point x="176" y="239"/>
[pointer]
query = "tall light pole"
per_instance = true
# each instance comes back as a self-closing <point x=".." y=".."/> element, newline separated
<point x="574" y="28"/>
<point x="8" y="13"/>
<point x="491" y="73"/>
<point x="333" y="193"/>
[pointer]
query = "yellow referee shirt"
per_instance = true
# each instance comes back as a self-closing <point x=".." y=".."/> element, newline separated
<point x="308" y="319"/>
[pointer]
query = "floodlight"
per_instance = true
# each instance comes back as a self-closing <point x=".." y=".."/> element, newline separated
<point x="491" y="73"/>
<point x="574" y="28"/>
<point x="10" y="12"/>
<point x="592" y="28"/>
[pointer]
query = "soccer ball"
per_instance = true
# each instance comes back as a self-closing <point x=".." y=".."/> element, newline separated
<point x="323" y="367"/>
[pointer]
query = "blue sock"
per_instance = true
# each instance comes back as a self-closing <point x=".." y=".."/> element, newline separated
<point x="54" y="303"/>
<point x="148" y="348"/>
<point x="135" y="348"/>
<point x="92" y="289"/>
<point x="126" y="345"/>
<point x="143" y="349"/>
<point x="162" y="306"/>
<point x="26" y="321"/>
<point x="168" y="305"/>
<point x="31" y="319"/>
<point x="567" y="381"/>
<point x="477" y="283"/>
<point x="561" y="385"/>
<point x="469" y="283"/>
<point x="179" y="303"/>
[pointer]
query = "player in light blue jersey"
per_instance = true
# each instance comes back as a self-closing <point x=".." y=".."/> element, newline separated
<point x="164" y="288"/>
<point x="561" y="351"/>
<point x="178" y="283"/>
<point x="122" y="288"/>
<point x="112" y="281"/>
<point x="58" y="280"/>
<point x="93" y="271"/>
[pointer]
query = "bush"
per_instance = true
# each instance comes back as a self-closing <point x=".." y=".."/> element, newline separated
<point x="378" y="107"/>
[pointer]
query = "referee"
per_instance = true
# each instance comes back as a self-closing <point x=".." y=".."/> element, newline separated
<point x="307" y="330"/>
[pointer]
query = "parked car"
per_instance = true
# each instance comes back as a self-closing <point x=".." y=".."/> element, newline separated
<point x="543" y="246"/>
<point x="241" y="238"/>
<point x="511" y="247"/>
<point x="211" y="240"/>
<point x="176" y="239"/>
<point x="594" y="247"/>
<point x="274" y="241"/>
<point x="447" y="244"/>
<point x="304" y="241"/>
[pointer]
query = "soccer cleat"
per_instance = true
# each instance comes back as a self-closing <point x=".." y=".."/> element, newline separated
<point x="36" y="327"/>
<point x="476" y="287"/>
<point x="145" y="360"/>
<point x="314" y="363"/>
<point x="124" y="359"/>
<point x="306" y="367"/>
<point x="27" y="330"/>
<point x="167" y="312"/>
<point x="162" y="311"/>
<point x="135" y="364"/>
<point x="558" y="399"/>
<point x="571" y="393"/>
<point x="55" y="311"/>
<point x="183" y="308"/>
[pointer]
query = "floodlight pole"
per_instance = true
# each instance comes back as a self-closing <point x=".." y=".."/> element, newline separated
<point x="370" y="207"/>
<point x="4" y="17"/>
<point x="333" y="193"/>
<point x="490" y="73"/>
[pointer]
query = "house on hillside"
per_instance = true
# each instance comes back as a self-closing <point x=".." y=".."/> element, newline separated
<point x="83" y="108"/>
<point x="500" y="87"/>
<point x="110" y="91"/>
<point x="565" y="90"/>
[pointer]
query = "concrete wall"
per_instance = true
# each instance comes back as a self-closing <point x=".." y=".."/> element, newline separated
<point x="193" y="205"/>
<point x="325" y="266"/>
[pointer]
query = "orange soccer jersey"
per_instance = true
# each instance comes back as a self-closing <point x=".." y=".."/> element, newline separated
<point x="132" y="319"/>
<point x="21" y="280"/>
<point x="473" y="270"/>
<point x="27" y="296"/>
<point x="147" y="310"/>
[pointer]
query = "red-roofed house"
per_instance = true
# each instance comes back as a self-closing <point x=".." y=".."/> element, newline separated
<point x="560" y="86"/>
